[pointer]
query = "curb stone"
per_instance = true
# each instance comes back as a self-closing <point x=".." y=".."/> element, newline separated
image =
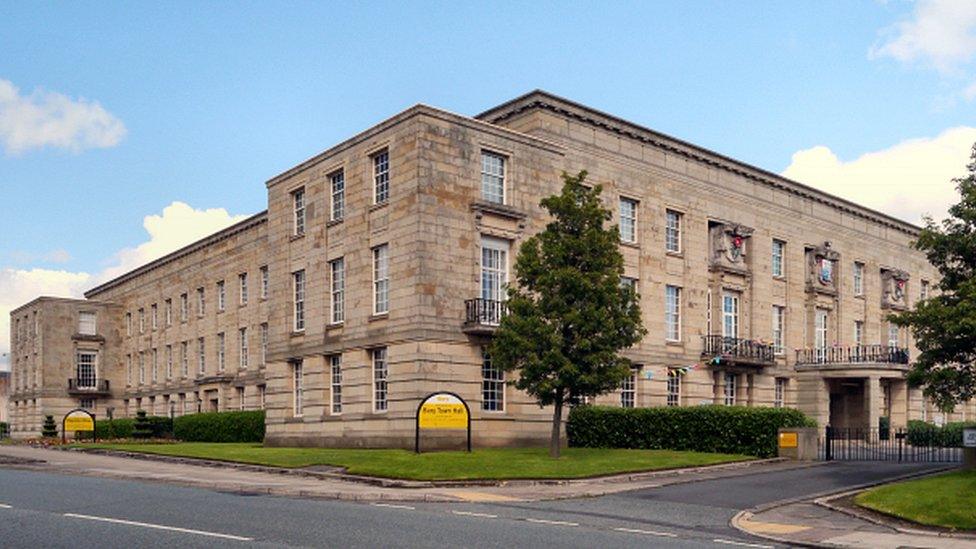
<point x="877" y="517"/>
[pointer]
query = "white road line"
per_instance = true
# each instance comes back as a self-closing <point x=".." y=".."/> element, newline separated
<point x="472" y="514"/>
<point x="5" y="506"/>
<point x="648" y="532"/>
<point x="554" y="522"/>
<point x="742" y="544"/>
<point x="158" y="527"/>
<point x="393" y="506"/>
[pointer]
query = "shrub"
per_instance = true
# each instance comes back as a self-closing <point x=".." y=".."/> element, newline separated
<point x="159" y="426"/>
<point x="49" y="429"/>
<point x="221" y="427"/>
<point x="142" y="428"/>
<point x="921" y="433"/>
<point x="725" y="429"/>
<point x="884" y="427"/>
<point x="4" y="429"/>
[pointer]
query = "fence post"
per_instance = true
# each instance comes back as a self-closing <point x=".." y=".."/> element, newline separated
<point x="827" y="450"/>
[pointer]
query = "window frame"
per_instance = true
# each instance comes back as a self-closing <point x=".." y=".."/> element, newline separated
<point x="337" y="290"/>
<point x="489" y="179"/>
<point x="779" y="329"/>
<point x="337" y="195"/>
<point x="298" y="387"/>
<point x="672" y="313"/>
<point x="381" y="177"/>
<point x="492" y="385"/>
<point x="298" y="209"/>
<point x="673" y="387"/>
<point x="628" y="390"/>
<point x="335" y="384"/>
<point x="629" y="237"/>
<point x="242" y="289"/>
<point x="92" y="317"/>
<point x="778" y="258"/>
<point x="380" y="367"/>
<point x="381" y="279"/>
<point x="298" y="300"/>
<point x="673" y="233"/>
<point x="857" y="279"/>
<point x="243" y="350"/>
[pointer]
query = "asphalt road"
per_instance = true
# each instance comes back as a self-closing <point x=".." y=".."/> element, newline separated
<point x="48" y="510"/>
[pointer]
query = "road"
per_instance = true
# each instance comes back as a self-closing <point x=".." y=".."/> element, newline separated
<point x="50" y="510"/>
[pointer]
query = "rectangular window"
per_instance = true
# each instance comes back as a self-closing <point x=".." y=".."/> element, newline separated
<point x="169" y="362"/>
<point x="779" y="248"/>
<point x="184" y="358"/>
<point x="381" y="177"/>
<point x="142" y="368"/>
<point x="296" y="386"/>
<point x="240" y="398"/>
<point x="86" y="403"/>
<point x="201" y="356"/>
<point x="299" y="302"/>
<point x="380" y="375"/>
<point x="628" y="390"/>
<point x="265" y="279"/>
<point x="298" y="212"/>
<point x="85" y="370"/>
<point x="128" y="369"/>
<point x="338" y="181"/>
<point x="780" y="392"/>
<point x="731" y="381"/>
<point x="221" y="296"/>
<point x="335" y="370"/>
<point x="492" y="385"/>
<point x="153" y="316"/>
<point x="142" y="321"/>
<point x="674" y="387"/>
<point x="169" y="312"/>
<point x="155" y="366"/>
<point x="201" y="301"/>
<point x="820" y="335"/>
<point x="779" y="327"/>
<point x="923" y="290"/>
<point x="221" y="355"/>
<point x="628" y="220"/>
<point x="128" y="325"/>
<point x="672" y="313"/>
<point x="264" y="343"/>
<point x="242" y="286"/>
<point x="858" y="278"/>
<point x="337" y="267"/>
<point x="242" y="347"/>
<point x="492" y="177"/>
<point x="381" y="279"/>
<point x="893" y="336"/>
<point x="672" y="232"/>
<point x="858" y="333"/>
<point x="494" y="278"/>
<point x="629" y="282"/>
<point x="730" y="315"/>
<point x="86" y="323"/>
<point x="184" y="307"/>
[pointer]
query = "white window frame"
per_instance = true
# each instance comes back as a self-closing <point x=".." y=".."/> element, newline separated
<point x="672" y="313"/>
<point x="730" y="314"/>
<point x="242" y="296"/>
<point x="381" y="373"/>
<point x="201" y="356"/>
<point x="492" y="385"/>
<point x="240" y="398"/>
<point x="298" y="390"/>
<point x="169" y="311"/>
<point x="778" y="256"/>
<point x="201" y="301"/>
<point x="493" y="177"/>
<point x="128" y="326"/>
<point x="242" y="348"/>
<point x="337" y="290"/>
<point x="221" y="296"/>
<point x="494" y="276"/>
<point x="86" y="368"/>
<point x="672" y="231"/>
<point x="155" y="365"/>
<point x="298" y="211"/>
<point x="779" y="329"/>
<point x="628" y="219"/>
<point x="184" y="358"/>
<point x="335" y="384"/>
<point x="381" y="177"/>
<point x="265" y="281"/>
<point x="858" y="278"/>
<point x="142" y="320"/>
<point x="779" y="392"/>
<point x="628" y="390"/>
<point x="730" y="387"/>
<point x="674" y="387"/>
<point x="381" y="279"/>
<point x="337" y="204"/>
<point x="298" y="301"/>
<point x="142" y="368"/>
<point x="184" y="307"/>
<point x="87" y="323"/>
<point x="821" y="329"/>
<point x="169" y="362"/>
<point x="221" y="352"/>
<point x="894" y="336"/>
<point x="153" y="316"/>
<point x="264" y="343"/>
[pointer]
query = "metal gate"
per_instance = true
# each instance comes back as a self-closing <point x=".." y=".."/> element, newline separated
<point x="864" y="444"/>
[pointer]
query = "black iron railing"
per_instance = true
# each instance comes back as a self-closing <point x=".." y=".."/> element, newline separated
<point x="88" y="385"/>
<point x="484" y="312"/>
<point x="856" y="354"/>
<point x="738" y="349"/>
<point x="867" y="444"/>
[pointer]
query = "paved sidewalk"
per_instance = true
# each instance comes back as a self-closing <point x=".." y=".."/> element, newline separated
<point x="267" y="481"/>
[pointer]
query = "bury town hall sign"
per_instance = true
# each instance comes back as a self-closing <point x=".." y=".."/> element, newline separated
<point x="442" y="410"/>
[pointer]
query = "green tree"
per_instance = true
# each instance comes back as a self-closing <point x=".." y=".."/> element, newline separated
<point x="568" y="314"/>
<point x="49" y="429"/>
<point x="944" y="325"/>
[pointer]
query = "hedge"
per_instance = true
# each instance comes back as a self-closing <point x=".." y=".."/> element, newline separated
<point x="162" y="427"/>
<point x="921" y="433"/>
<point x="725" y="429"/>
<point x="221" y="427"/>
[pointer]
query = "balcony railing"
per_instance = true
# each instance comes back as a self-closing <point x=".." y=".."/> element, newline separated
<point x="482" y="316"/>
<point x="88" y="386"/>
<point x="856" y="354"/>
<point x="736" y="350"/>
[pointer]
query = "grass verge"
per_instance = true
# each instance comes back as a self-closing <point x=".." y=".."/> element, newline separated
<point x="947" y="500"/>
<point x="484" y="464"/>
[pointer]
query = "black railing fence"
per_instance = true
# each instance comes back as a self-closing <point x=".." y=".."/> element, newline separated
<point x="864" y="444"/>
<point x="856" y="354"/>
<point x="487" y="312"/>
<point x="738" y="348"/>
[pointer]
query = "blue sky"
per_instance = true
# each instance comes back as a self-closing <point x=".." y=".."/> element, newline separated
<point x="200" y="103"/>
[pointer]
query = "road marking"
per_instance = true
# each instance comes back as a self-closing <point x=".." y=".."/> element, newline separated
<point x="473" y="514"/>
<point x="5" y="506"/>
<point x="158" y="527"/>
<point x="554" y="522"/>
<point x="393" y="506"/>
<point x="742" y="544"/>
<point x="479" y="496"/>
<point x="648" y="532"/>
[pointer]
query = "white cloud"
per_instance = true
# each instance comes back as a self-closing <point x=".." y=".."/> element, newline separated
<point x="941" y="33"/>
<point x="54" y="256"/>
<point x="907" y="180"/>
<point x="50" y="119"/>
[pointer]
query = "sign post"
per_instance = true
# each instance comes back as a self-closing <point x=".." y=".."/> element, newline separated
<point x="969" y="448"/>
<point x="442" y="410"/>
<point x="77" y="420"/>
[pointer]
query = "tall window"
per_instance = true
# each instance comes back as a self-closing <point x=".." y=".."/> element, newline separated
<point x="169" y="312"/>
<point x="155" y="365"/>
<point x="858" y="278"/>
<point x="264" y="342"/>
<point x="169" y="362"/>
<point x="264" y="282"/>
<point x="381" y="279"/>
<point x="381" y="177"/>
<point x="779" y="324"/>
<point x="128" y="325"/>
<point x="335" y="368"/>
<point x="298" y="212"/>
<point x="201" y="356"/>
<point x="672" y="313"/>
<point x="242" y="286"/>
<point x="492" y="385"/>
<point x="85" y="369"/>
<point x="142" y="368"/>
<point x="337" y="267"/>
<point x="221" y="354"/>
<point x="184" y="307"/>
<point x="242" y="347"/>
<point x="820" y="335"/>
<point x="778" y="248"/>
<point x="494" y="277"/>
<point x="153" y="316"/>
<point x="858" y="333"/>
<point x="338" y="181"/>
<point x="86" y="323"/>
<point x="628" y="390"/>
<point x="142" y="320"/>
<point x="296" y="386"/>
<point x="128" y="369"/>
<point x="730" y="315"/>
<point x="221" y="296"/>
<point x="299" y="302"/>
<point x="923" y="290"/>
<point x="492" y="177"/>
<point x="380" y="374"/>
<point x="780" y="392"/>
<point x="674" y="387"/>
<point x="893" y="335"/>
<point x="672" y="232"/>
<point x="628" y="220"/>
<point x="240" y="398"/>
<point x="731" y="381"/>
<point x="184" y="358"/>
<point x="201" y="301"/>
<point x="629" y="282"/>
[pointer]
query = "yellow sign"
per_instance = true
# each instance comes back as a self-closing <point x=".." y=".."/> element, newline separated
<point x="79" y="421"/>
<point x="443" y="411"/>
<point x="787" y="440"/>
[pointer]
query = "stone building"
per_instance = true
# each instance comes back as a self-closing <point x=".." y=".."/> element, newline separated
<point x="376" y="276"/>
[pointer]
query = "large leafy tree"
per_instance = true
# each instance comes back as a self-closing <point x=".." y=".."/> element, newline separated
<point x="944" y="325"/>
<point x="569" y="316"/>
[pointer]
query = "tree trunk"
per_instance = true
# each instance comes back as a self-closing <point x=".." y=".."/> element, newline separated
<point x="557" y="424"/>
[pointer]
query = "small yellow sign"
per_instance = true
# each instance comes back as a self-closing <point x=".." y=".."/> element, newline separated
<point x="443" y="411"/>
<point x="787" y="440"/>
<point x="79" y="421"/>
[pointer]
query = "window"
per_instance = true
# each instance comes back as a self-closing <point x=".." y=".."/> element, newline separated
<point x="708" y="312"/>
<point x="494" y="277"/>
<point x="169" y="362"/>
<point x="128" y="369"/>
<point x="380" y="375"/>
<point x="893" y="335"/>
<point x="381" y="279"/>
<point x="731" y="380"/>
<point x="142" y="368"/>
<point x="201" y="301"/>
<point x="672" y="232"/>
<point x="492" y="177"/>
<point x="381" y="177"/>
<point x="242" y="285"/>
<point x="338" y="269"/>
<point x="628" y="220"/>
<point x="169" y="312"/>
<point x="299" y="303"/>
<point x="628" y="390"/>
<point x="265" y="279"/>
<point x="128" y="325"/>
<point x="242" y="347"/>
<point x="153" y="316"/>
<point x="184" y="307"/>
<point x="220" y="352"/>
<point x="820" y="335"/>
<point x="85" y="369"/>
<point x="672" y="313"/>
<point x="142" y="321"/>
<point x="780" y="391"/>
<point x="221" y="296"/>
<point x="338" y="181"/>
<point x="296" y="386"/>
<point x="155" y="365"/>
<point x="730" y="315"/>
<point x="674" y="387"/>
<point x="184" y="358"/>
<point x="778" y="248"/>
<point x="298" y="210"/>
<point x="86" y="323"/>
<point x="858" y="333"/>
<point x="629" y="282"/>
<point x="858" y="278"/>
<point x="201" y="356"/>
<point x="923" y="290"/>
<point x="240" y="398"/>
<point x="779" y="325"/>
<point x="264" y="342"/>
<point x="492" y="385"/>
<point x="335" y="369"/>
<point x="86" y="403"/>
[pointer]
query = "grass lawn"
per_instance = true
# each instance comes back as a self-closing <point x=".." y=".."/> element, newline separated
<point x="488" y="463"/>
<point x="947" y="500"/>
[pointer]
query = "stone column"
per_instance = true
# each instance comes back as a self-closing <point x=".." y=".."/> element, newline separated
<point x="873" y="401"/>
<point x="899" y="403"/>
<point x="813" y="398"/>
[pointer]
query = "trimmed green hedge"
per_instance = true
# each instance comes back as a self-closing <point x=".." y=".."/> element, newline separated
<point x="921" y="433"/>
<point x="725" y="429"/>
<point x="221" y="427"/>
<point x="161" y="427"/>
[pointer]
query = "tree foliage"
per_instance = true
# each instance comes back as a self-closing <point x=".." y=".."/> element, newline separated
<point x="568" y="315"/>
<point x="944" y="325"/>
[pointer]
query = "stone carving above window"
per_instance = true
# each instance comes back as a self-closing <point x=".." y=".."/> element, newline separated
<point x="728" y="242"/>
<point x="822" y="263"/>
<point x="893" y="285"/>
